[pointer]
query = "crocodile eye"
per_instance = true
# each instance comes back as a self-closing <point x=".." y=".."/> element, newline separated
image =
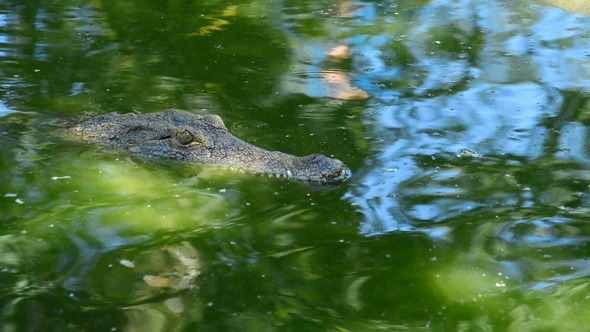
<point x="184" y="138"/>
<point x="315" y="158"/>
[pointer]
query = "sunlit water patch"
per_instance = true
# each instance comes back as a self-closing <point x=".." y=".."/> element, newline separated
<point x="90" y="212"/>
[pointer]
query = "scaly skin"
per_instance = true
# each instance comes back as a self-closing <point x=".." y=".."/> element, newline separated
<point x="201" y="139"/>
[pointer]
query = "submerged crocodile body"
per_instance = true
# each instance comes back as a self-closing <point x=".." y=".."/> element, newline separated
<point x="201" y="139"/>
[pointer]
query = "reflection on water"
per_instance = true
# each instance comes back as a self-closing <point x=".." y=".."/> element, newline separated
<point x="572" y="6"/>
<point x="520" y="195"/>
<point x="321" y="66"/>
<point x="507" y="108"/>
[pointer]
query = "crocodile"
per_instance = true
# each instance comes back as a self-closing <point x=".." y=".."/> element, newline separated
<point x="201" y="139"/>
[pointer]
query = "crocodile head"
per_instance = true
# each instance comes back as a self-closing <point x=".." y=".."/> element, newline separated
<point x="201" y="139"/>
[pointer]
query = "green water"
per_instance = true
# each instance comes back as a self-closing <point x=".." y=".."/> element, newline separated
<point x="464" y="123"/>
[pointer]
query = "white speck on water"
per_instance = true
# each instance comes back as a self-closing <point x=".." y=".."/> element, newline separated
<point x="60" y="177"/>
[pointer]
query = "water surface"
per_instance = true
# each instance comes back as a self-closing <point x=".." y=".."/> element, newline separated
<point x="464" y="123"/>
